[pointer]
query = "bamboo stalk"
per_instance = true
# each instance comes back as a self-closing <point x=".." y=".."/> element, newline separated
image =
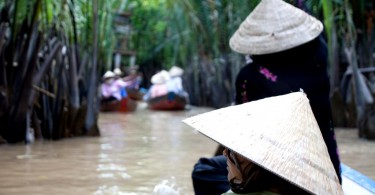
<point x="45" y="92"/>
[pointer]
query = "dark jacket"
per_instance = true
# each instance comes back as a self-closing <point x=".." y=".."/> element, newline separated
<point x="303" y="67"/>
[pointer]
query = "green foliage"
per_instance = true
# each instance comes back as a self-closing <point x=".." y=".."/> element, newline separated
<point x="194" y="33"/>
<point x="173" y="32"/>
<point x="47" y="74"/>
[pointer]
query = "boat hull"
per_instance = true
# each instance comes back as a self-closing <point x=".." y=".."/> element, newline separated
<point x="171" y="101"/>
<point x="124" y="105"/>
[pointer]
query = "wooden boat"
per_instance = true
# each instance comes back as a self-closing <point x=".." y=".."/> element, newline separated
<point x="125" y="105"/>
<point x="171" y="101"/>
<point x="134" y="94"/>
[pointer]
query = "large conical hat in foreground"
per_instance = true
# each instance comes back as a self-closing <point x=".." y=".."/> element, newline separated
<point x="279" y="134"/>
<point x="274" y="26"/>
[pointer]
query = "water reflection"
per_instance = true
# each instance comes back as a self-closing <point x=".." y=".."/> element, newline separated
<point x="141" y="153"/>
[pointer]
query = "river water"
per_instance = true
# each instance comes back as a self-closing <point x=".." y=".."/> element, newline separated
<point x="137" y="153"/>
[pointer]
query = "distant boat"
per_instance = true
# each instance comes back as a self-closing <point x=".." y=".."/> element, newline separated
<point x="171" y="101"/>
<point x="124" y="105"/>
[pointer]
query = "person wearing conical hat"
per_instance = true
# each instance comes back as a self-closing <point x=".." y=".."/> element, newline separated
<point x="165" y="74"/>
<point x="176" y="71"/>
<point x="106" y="87"/>
<point x="285" y="155"/>
<point x="134" y="78"/>
<point x="158" y="87"/>
<point x="120" y="82"/>
<point x="174" y="84"/>
<point x="287" y="54"/>
<point x="108" y="75"/>
<point x="112" y="88"/>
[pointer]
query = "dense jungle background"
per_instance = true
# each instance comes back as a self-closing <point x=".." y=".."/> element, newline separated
<point x="53" y="53"/>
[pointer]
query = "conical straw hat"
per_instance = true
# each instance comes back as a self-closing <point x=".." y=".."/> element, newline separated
<point x="165" y="75"/>
<point x="108" y="74"/>
<point x="274" y="26"/>
<point x="158" y="79"/>
<point x="176" y="71"/>
<point x="117" y="71"/>
<point x="279" y="134"/>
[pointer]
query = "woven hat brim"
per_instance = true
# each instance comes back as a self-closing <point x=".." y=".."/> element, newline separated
<point x="274" y="26"/>
<point x="157" y="79"/>
<point x="280" y="134"/>
<point x="117" y="71"/>
<point x="109" y="74"/>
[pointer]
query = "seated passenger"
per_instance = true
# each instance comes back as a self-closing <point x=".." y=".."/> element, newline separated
<point x="174" y="84"/>
<point x="118" y="72"/>
<point x="112" y="88"/>
<point x="133" y="80"/>
<point x="158" y="87"/>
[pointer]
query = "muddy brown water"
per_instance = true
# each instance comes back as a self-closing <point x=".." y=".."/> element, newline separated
<point x="134" y="155"/>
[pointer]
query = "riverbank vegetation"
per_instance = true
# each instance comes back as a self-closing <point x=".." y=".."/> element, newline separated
<point x="194" y="34"/>
<point x="53" y="54"/>
<point x="50" y="51"/>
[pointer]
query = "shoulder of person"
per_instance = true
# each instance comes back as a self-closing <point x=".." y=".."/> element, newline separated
<point x="247" y="71"/>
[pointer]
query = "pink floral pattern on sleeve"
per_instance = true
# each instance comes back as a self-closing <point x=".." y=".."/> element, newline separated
<point x="269" y="75"/>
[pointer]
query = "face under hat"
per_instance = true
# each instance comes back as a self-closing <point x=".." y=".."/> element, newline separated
<point x="280" y="134"/>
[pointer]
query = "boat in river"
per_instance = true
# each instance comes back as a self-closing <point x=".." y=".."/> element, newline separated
<point x="170" y="101"/>
<point x="124" y="105"/>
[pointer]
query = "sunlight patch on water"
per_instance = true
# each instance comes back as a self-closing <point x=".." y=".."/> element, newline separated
<point x="25" y="156"/>
<point x="114" y="190"/>
<point x="125" y="175"/>
<point x="103" y="155"/>
<point x="106" y="176"/>
<point x="166" y="187"/>
<point x="110" y="167"/>
<point x="148" y="139"/>
<point x="106" y="146"/>
<point x="103" y="158"/>
<point x="112" y="171"/>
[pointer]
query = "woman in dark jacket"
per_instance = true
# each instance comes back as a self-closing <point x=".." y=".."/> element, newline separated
<point x="303" y="67"/>
<point x="288" y="54"/>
